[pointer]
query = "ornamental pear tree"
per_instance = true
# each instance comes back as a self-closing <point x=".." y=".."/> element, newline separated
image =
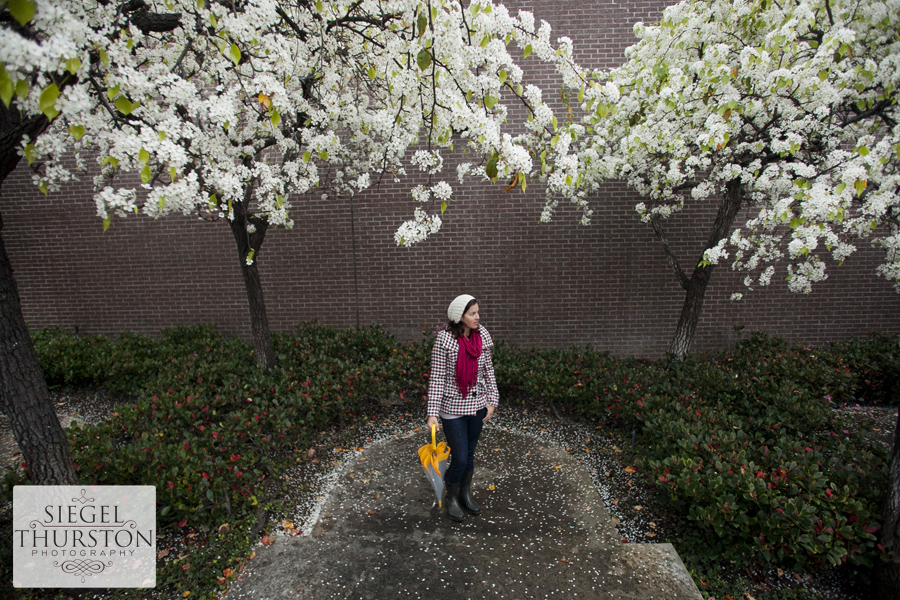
<point x="246" y="106"/>
<point x="786" y="112"/>
<point x="44" y="44"/>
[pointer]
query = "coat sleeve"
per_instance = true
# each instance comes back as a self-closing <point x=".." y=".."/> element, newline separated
<point x="436" y="380"/>
<point x="490" y="380"/>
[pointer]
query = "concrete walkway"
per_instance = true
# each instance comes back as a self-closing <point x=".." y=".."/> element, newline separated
<point x="543" y="533"/>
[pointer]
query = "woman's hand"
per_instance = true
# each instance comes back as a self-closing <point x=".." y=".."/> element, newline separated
<point x="431" y="421"/>
<point x="490" y="413"/>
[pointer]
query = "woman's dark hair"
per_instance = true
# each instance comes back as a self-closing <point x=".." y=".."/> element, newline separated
<point x="458" y="329"/>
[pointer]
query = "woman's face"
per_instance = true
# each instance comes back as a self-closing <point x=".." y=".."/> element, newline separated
<point x="470" y="318"/>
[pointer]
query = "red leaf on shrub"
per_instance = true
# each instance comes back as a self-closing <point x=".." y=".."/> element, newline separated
<point x="873" y="528"/>
<point x="187" y="446"/>
<point x="880" y="547"/>
<point x="808" y="449"/>
<point x="239" y="473"/>
<point x="183" y="523"/>
<point x="205" y="476"/>
<point x="171" y="485"/>
<point x="828" y="492"/>
<point x="639" y="403"/>
<point x="779" y="510"/>
<point x="215" y="434"/>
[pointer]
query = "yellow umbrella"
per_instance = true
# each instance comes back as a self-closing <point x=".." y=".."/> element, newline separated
<point x="434" y="460"/>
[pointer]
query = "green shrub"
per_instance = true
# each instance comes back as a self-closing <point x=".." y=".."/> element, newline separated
<point x="747" y="449"/>
<point x="68" y="360"/>
<point x="872" y="364"/>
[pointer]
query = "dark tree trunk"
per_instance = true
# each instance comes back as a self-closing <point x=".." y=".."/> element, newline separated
<point x="259" y="320"/>
<point x="26" y="399"/>
<point x="888" y="574"/>
<point x="23" y="390"/>
<point x="695" y="287"/>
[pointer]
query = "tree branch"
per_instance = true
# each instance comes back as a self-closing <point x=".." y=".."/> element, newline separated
<point x="683" y="281"/>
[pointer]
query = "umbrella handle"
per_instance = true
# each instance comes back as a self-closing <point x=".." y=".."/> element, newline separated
<point x="433" y="432"/>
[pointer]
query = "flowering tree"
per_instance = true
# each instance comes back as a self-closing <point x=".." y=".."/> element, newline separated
<point x="786" y="110"/>
<point x="246" y="105"/>
<point x="43" y="47"/>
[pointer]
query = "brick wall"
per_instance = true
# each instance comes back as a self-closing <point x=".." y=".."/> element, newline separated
<point x="548" y="285"/>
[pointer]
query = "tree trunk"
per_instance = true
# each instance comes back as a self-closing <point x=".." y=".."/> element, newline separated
<point x="25" y="397"/>
<point x="247" y="242"/>
<point x="888" y="574"/>
<point x="695" y="287"/>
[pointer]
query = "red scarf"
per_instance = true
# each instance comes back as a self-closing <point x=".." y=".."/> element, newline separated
<point x="467" y="361"/>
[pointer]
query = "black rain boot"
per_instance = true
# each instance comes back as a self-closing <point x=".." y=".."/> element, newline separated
<point x="454" y="510"/>
<point x="465" y="493"/>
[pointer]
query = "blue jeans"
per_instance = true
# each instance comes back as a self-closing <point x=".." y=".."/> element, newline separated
<point x="462" y="436"/>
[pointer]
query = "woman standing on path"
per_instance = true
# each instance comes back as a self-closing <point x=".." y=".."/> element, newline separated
<point x="462" y="391"/>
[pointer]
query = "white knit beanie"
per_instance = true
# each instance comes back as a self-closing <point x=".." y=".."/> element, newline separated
<point x="456" y="308"/>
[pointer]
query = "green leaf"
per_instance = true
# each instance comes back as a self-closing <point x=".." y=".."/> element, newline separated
<point x="6" y="86"/>
<point x="863" y="151"/>
<point x="318" y="6"/>
<point x="306" y="156"/>
<point x="172" y="173"/>
<point x="48" y="101"/>
<point x="146" y="174"/>
<point x="113" y="162"/>
<point x="43" y="187"/>
<point x="162" y="202"/>
<point x="491" y="169"/>
<point x="161" y="135"/>
<point x="106" y="223"/>
<point x="104" y="58"/>
<point x="72" y="65"/>
<point x="581" y="94"/>
<point x="250" y="255"/>
<point x="275" y="118"/>
<point x="422" y="23"/>
<point x="112" y="92"/>
<point x="144" y="156"/>
<point x="77" y="131"/>
<point x="29" y="153"/>
<point x="126" y="106"/>
<point x="527" y="50"/>
<point x="502" y="77"/>
<point x="555" y="123"/>
<point x="423" y="59"/>
<point x="201" y="4"/>
<point x="489" y="102"/>
<point x="485" y="41"/>
<point x="22" y="89"/>
<point x="235" y="54"/>
<point x="840" y="188"/>
<point x="443" y="207"/>
<point x="860" y="186"/>
<point x="22" y="10"/>
<point x="371" y="72"/>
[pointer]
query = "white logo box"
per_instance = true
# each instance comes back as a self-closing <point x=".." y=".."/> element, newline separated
<point x="84" y="536"/>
